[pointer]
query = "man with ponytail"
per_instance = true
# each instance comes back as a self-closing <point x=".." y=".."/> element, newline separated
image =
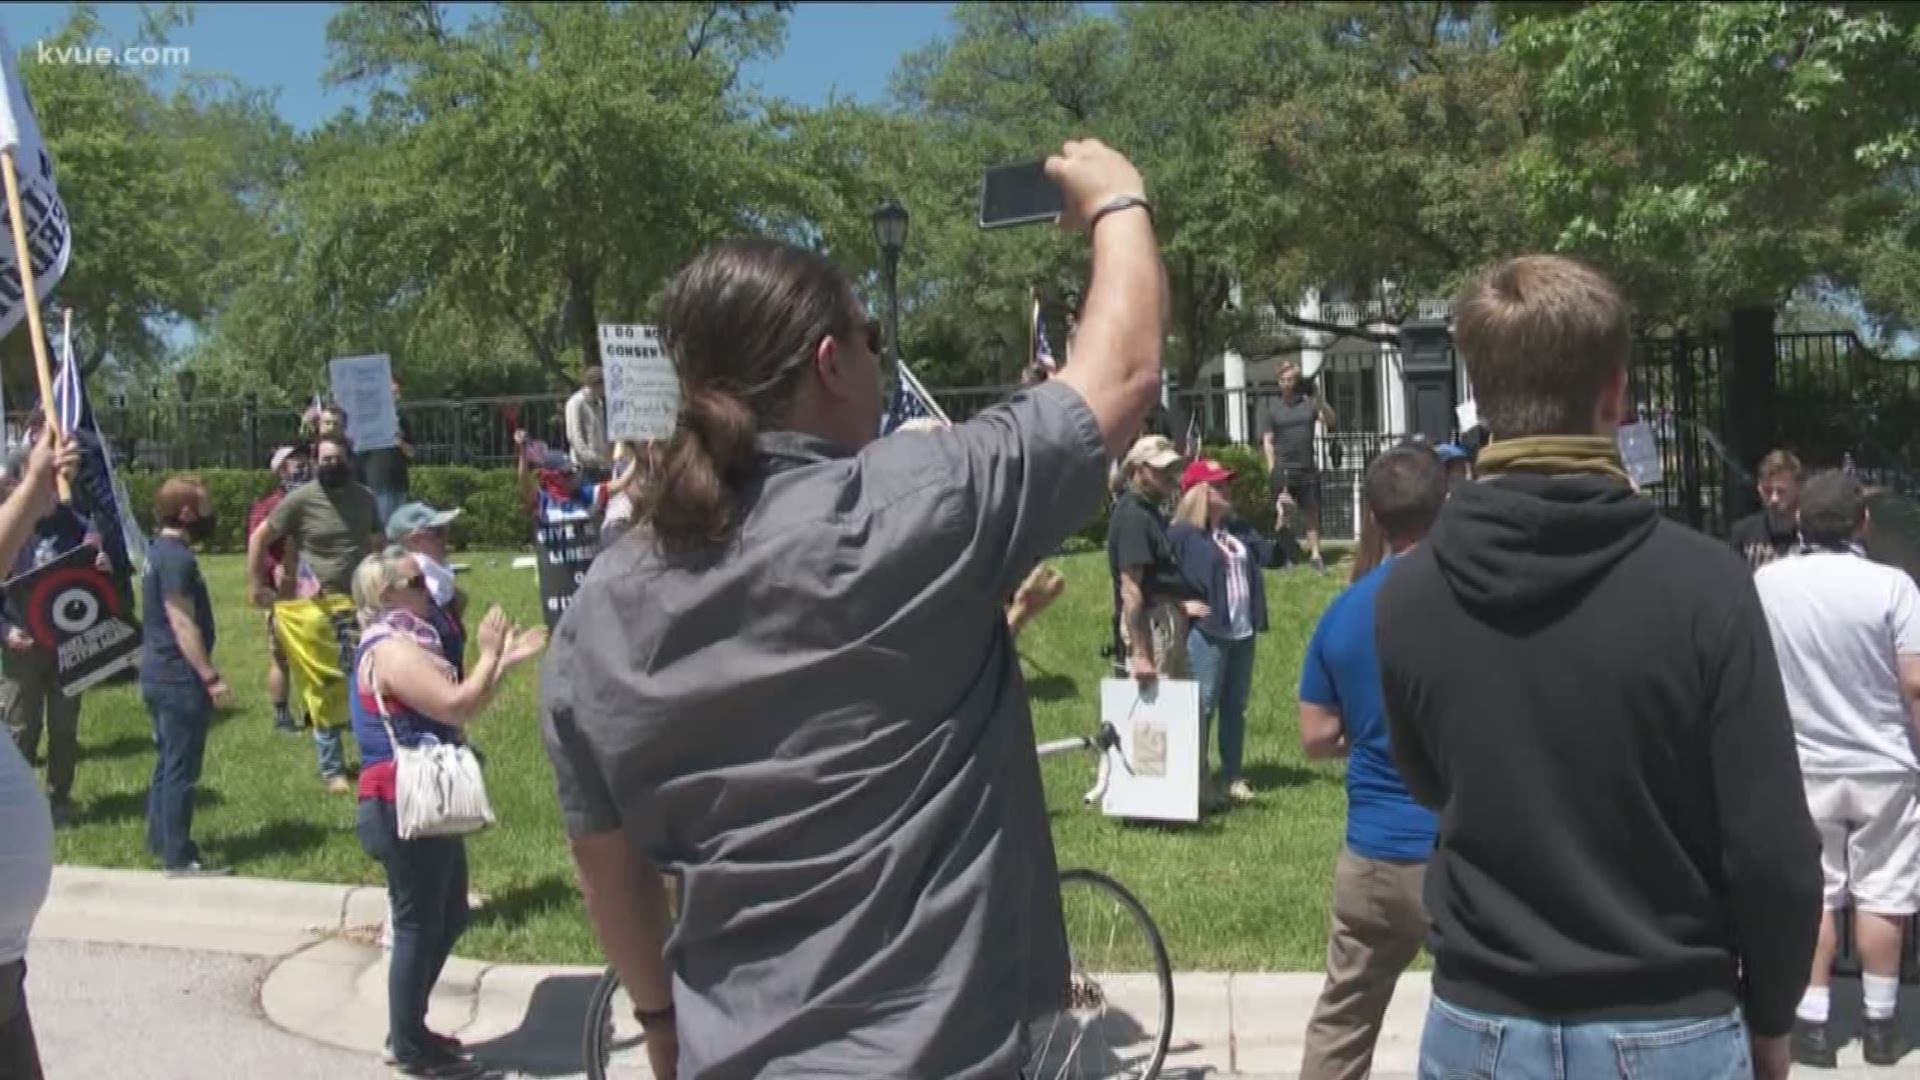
<point x="793" y="687"/>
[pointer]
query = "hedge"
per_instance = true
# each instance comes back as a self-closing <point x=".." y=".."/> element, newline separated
<point x="496" y="517"/>
<point x="494" y="514"/>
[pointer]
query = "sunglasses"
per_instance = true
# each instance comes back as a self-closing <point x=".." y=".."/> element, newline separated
<point x="416" y="583"/>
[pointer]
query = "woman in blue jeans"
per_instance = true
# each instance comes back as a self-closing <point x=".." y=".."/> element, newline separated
<point x="402" y="670"/>
<point x="1221" y="559"/>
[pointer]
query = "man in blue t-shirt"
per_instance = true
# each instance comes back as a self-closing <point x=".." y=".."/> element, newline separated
<point x="1378" y="920"/>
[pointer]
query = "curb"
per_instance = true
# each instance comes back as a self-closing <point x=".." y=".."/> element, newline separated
<point x="245" y="916"/>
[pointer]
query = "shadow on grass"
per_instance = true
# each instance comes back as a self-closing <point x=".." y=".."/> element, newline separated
<point x="274" y="838"/>
<point x="132" y="806"/>
<point x="1269" y="777"/>
<point x="548" y="1040"/>
<point x="519" y="905"/>
<point x="1052" y="688"/>
<point x="124" y="746"/>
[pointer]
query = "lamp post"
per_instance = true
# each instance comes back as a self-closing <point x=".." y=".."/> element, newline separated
<point x="890" y="230"/>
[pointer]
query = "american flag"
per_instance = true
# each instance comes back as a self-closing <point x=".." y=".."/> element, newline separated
<point x="910" y="401"/>
<point x="1042" y="352"/>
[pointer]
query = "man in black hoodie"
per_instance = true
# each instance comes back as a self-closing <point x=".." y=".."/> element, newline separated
<point x="1772" y="532"/>
<point x="1587" y="695"/>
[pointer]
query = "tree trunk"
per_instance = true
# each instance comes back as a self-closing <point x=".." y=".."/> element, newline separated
<point x="585" y="319"/>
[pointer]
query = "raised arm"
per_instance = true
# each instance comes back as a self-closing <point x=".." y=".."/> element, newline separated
<point x="36" y="495"/>
<point x="1116" y="352"/>
<point x="259" y="585"/>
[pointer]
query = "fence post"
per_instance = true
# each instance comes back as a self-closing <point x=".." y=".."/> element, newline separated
<point x="459" y="434"/>
<point x="253" y="430"/>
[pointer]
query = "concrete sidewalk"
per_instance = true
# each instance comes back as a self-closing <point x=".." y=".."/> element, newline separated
<point x="328" y="981"/>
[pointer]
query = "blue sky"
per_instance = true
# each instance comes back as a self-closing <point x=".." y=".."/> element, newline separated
<point x="284" y="46"/>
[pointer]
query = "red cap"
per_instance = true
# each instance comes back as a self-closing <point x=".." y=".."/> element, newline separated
<point x="1204" y="471"/>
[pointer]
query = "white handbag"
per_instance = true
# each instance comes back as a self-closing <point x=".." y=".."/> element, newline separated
<point x="437" y="787"/>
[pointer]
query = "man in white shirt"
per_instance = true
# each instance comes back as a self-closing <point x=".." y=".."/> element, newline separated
<point x="1846" y="631"/>
<point x="587" y="426"/>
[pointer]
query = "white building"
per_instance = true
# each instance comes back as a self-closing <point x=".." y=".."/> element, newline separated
<point x="1360" y="379"/>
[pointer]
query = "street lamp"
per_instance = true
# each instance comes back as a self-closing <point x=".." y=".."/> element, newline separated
<point x="890" y="231"/>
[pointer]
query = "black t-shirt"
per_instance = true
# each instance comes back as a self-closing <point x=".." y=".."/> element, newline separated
<point x="172" y="571"/>
<point x="1759" y="539"/>
<point x="1137" y="537"/>
<point x="1291" y="425"/>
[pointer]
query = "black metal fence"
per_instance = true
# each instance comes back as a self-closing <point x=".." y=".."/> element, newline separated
<point x="1834" y="397"/>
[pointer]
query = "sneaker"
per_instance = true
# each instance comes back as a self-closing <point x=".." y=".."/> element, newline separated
<point x="63" y="813"/>
<point x="338" y="785"/>
<point x="1811" y="1047"/>
<point x="1883" y="1043"/>
<point x="283" y="721"/>
<point x="1238" y="791"/>
<point x="198" y="869"/>
<point x="1319" y="565"/>
<point x="452" y="1046"/>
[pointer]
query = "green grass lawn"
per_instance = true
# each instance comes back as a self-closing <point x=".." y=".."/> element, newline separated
<point x="1243" y="891"/>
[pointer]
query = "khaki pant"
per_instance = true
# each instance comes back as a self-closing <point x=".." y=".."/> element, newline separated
<point x="1169" y="626"/>
<point x="31" y="699"/>
<point x="1378" y="926"/>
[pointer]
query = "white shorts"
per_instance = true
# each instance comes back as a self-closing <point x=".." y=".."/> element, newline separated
<point x="1869" y="840"/>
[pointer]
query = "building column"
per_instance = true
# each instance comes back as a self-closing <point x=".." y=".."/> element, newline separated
<point x="1233" y="371"/>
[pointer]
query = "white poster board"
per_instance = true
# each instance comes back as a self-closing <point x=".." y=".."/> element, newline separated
<point x="1468" y="415"/>
<point x="643" y="389"/>
<point x="363" y="386"/>
<point x="1640" y="453"/>
<point x="1160" y="744"/>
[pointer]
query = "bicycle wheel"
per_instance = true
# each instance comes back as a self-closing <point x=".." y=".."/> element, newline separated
<point x="1118" y="1017"/>
<point x="612" y="1047"/>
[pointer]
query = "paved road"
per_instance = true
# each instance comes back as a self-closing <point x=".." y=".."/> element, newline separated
<point x="116" y="1011"/>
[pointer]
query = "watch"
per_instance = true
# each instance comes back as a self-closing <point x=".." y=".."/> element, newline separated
<point x="1117" y="204"/>
<point x="654" y="1016"/>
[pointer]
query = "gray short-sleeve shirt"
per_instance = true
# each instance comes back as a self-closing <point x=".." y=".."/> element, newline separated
<point x="826" y="736"/>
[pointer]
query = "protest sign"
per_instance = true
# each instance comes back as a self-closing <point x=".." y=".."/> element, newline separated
<point x="567" y="530"/>
<point x="569" y="535"/>
<point x="73" y="612"/>
<point x="47" y="232"/>
<point x="1640" y="453"/>
<point x="1160" y="744"/>
<point x="643" y="389"/>
<point x="363" y="385"/>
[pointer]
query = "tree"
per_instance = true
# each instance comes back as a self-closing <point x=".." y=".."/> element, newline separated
<point x="160" y="190"/>
<point x="548" y="164"/>
<point x="1721" y="155"/>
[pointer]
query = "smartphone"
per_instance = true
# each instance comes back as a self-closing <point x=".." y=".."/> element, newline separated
<point x="1018" y="194"/>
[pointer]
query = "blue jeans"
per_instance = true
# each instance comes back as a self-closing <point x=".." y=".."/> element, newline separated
<point x="1460" y="1044"/>
<point x="427" y="885"/>
<point x="1224" y="669"/>
<point x="331" y="748"/>
<point x="180" y="715"/>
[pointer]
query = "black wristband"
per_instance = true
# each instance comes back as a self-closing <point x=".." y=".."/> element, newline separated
<point x="654" y="1016"/>
<point x="1117" y="204"/>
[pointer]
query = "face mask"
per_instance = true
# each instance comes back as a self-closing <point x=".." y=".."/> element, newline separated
<point x="439" y="579"/>
<point x="200" y="530"/>
<point x="296" y="476"/>
<point x="334" y="474"/>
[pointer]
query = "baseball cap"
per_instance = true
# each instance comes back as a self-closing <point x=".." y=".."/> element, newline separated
<point x="1452" y="452"/>
<point x="281" y="455"/>
<point x="416" y="516"/>
<point x="1153" y="451"/>
<point x="1204" y="471"/>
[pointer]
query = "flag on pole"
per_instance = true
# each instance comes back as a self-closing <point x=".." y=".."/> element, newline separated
<point x="1042" y="352"/>
<point x="49" y="235"/>
<point x="910" y="401"/>
<point x="1193" y="433"/>
<point x="98" y="496"/>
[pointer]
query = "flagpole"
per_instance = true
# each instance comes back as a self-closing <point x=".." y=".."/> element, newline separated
<point x="913" y="381"/>
<point x="1033" y="329"/>
<point x="37" y="331"/>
